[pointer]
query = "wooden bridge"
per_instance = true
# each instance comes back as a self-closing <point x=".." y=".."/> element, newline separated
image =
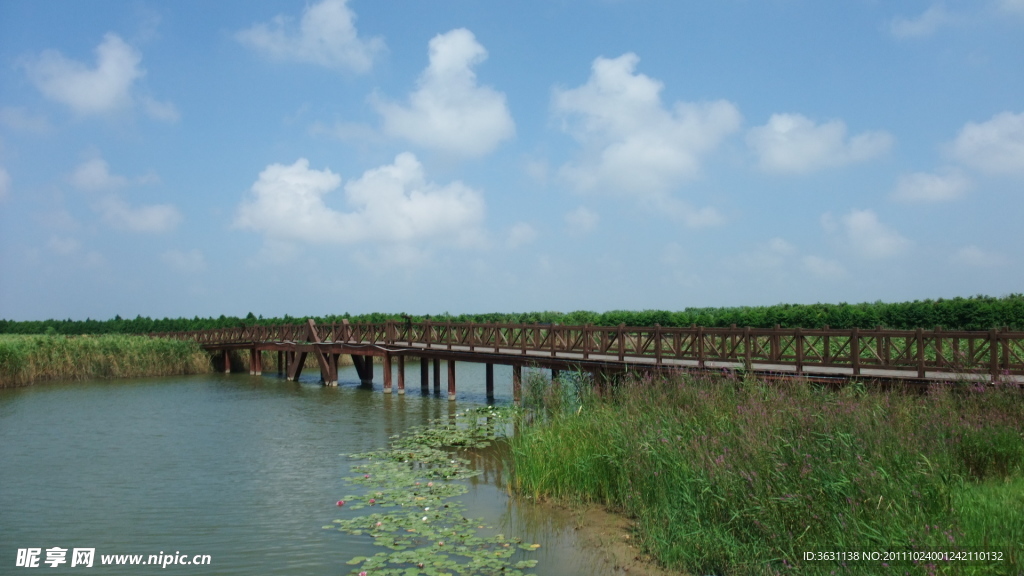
<point x="822" y="354"/>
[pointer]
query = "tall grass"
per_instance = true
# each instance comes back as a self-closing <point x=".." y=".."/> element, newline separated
<point x="742" y="477"/>
<point x="27" y="359"/>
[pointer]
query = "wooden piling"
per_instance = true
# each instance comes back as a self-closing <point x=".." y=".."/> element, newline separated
<point x="451" y="379"/>
<point x="401" y="375"/>
<point x="437" y="376"/>
<point x="489" y="377"/>
<point x="517" y="383"/>
<point x="387" y="373"/>
<point x="424" y="375"/>
<point x="227" y="362"/>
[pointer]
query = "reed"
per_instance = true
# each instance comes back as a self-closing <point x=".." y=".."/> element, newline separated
<point x="28" y="359"/>
<point x="743" y="477"/>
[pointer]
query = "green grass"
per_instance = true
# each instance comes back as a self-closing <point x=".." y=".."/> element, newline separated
<point x="28" y="359"/>
<point x="741" y="477"/>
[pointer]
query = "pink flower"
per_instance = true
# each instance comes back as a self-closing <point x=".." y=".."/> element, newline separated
<point x="341" y="502"/>
<point x="372" y="501"/>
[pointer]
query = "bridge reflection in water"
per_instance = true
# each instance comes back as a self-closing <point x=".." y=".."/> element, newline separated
<point x="605" y="351"/>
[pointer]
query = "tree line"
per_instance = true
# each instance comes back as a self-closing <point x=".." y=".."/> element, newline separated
<point x="973" y="313"/>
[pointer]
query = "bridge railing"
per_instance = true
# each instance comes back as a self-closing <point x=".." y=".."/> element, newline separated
<point x="993" y="352"/>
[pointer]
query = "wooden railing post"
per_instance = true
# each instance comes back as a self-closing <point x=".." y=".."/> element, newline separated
<point x="919" y="336"/>
<point x="700" y="347"/>
<point x="799" y="337"/>
<point x="855" y="350"/>
<point x="657" y="344"/>
<point x="993" y="349"/>
<point x="622" y="343"/>
<point x="746" y="348"/>
<point x="586" y="341"/>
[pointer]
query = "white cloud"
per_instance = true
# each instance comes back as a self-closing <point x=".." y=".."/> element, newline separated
<point x="684" y="212"/>
<point x="823" y="268"/>
<point x="392" y="203"/>
<point x="582" y="221"/>
<point x="22" y="120"/>
<point x="771" y="255"/>
<point x="977" y="258"/>
<point x="99" y="90"/>
<point x="632" y="144"/>
<point x="994" y="147"/>
<point x="866" y="236"/>
<point x="163" y="111"/>
<point x="94" y="174"/>
<point x="1012" y="6"/>
<point x="795" y="144"/>
<point x="154" y="218"/>
<point x="926" y="187"/>
<point x="63" y="246"/>
<point x="72" y="248"/>
<point x="449" y="111"/>
<point x="5" y="183"/>
<point x="326" y="36"/>
<point x="190" y="262"/>
<point x="923" y="25"/>
<point x="520" y="234"/>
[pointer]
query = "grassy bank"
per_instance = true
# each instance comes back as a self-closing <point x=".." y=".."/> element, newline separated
<point x="28" y="359"/>
<point x="740" y="477"/>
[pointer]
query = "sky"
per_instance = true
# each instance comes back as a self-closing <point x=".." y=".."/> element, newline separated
<point x="194" y="158"/>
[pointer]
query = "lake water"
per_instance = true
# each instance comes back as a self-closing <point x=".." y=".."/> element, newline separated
<point x="244" y="468"/>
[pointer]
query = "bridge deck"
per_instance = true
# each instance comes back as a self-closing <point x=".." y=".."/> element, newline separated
<point x="829" y="354"/>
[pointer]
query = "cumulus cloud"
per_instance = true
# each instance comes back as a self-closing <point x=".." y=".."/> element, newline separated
<point x="449" y="111"/>
<point x="977" y="258"/>
<point x="632" y="144"/>
<point x="520" y="234"/>
<point x="925" y="24"/>
<point x="94" y="174"/>
<point x="95" y="90"/>
<point x="582" y="221"/>
<point x="393" y="203"/>
<point x="927" y="187"/>
<point x="993" y="147"/>
<point x="154" y="219"/>
<point x="793" y="143"/>
<point x="326" y="36"/>
<point x="823" y="268"/>
<point x="866" y="236"/>
<point x="190" y="262"/>
<point x="5" y="183"/>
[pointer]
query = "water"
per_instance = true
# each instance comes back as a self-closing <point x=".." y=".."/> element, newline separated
<point x="246" y="469"/>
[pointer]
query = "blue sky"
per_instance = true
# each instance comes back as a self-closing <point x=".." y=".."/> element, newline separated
<point x="204" y="158"/>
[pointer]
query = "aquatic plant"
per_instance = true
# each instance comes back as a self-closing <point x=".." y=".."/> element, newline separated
<point x="742" y="477"/>
<point x="27" y="359"/>
<point x="413" y="483"/>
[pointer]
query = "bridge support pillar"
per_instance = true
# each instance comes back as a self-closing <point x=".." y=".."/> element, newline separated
<point x="401" y="375"/>
<point x="451" y="379"/>
<point x="280" y="363"/>
<point x="387" y="373"/>
<point x="364" y="367"/>
<point x="296" y="361"/>
<point x="517" y="383"/>
<point x="554" y="374"/>
<point x="437" y="376"/>
<point x="330" y="378"/>
<point x="424" y="376"/>
<point x="489" y="377"/>
<point x="227" y="361"/>
<point x="255" y="362"/>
